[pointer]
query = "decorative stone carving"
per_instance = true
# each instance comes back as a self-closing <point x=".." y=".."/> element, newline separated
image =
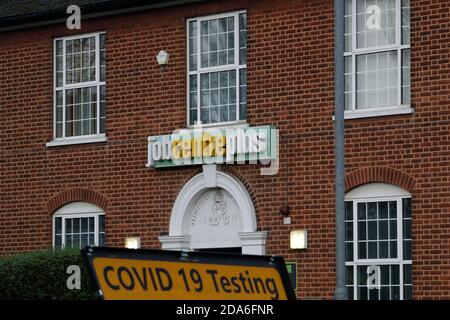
<point x="219" y="210"/>
<point x="215" y="218"/>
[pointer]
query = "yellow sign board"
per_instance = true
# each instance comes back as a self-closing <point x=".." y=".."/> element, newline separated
<point x="126" y="274"/>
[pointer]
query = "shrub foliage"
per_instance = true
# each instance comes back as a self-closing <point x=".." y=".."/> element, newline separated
<point x="43" y="275"/>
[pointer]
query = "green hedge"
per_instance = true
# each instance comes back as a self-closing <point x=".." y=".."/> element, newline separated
<point x="42" y="275"/>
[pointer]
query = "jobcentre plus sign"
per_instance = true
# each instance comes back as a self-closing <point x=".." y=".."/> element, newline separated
<point x="212" y="146"/>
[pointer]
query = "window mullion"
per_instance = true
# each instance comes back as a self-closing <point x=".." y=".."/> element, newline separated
<point x="354" y="44"/>
<point x="354" y="74"/>
<point x="399" y="77"/>
<point x="63" y="232"/>
<point x="236" y="62"/>
<point x="400" y="229"/>
<point x="355" y="232"/>
<point x="354" y="26"/>
<point x="97" y="58"/>
<point x="355" y="283"/>
<point x="64" y="90"/>
<point x="398" y="22"/>
<point x="96" y="228"/>
<point x="55" y="85"/>
<point x="199" y="45"/>
<point x="97" y="78"/>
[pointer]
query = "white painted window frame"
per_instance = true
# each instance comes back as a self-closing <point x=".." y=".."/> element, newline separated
<point x="229" y="67"/>
<point x="86" y="210"/>
<point x="368" y="262"/>
<point x="398" y="109"/>
<point x="93" y="138"/>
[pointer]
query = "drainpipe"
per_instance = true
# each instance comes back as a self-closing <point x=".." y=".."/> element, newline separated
<point x="340" y="290"/>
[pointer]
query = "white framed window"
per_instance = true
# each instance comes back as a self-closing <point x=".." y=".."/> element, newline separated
<point x="377" y="57"/>
<point x="378" y="243"/>
<point x="77" y="225"/>
<point x="79" y="89"/>
<point x="217" y="69"/>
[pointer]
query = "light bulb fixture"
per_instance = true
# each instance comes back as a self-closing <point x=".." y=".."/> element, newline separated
<point x="133" y="243"/>
<point x="299" y="239"/>
<point x="162" y="57"/>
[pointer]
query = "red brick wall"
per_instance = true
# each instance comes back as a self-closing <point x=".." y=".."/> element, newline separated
<point x="290" y="85"/>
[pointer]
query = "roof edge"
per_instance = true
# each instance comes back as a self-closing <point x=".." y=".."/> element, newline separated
<point x="91" y="11"/>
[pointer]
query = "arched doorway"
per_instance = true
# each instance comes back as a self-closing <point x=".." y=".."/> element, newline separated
<point x="214" y="210"/>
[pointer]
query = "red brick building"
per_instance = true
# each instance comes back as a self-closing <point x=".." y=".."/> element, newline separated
<point x="78" y="106"/>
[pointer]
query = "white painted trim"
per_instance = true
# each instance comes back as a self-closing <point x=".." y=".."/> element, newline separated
<point x="203" y="70"/>
<point x="77" y="140"/>
<point x="77" y="209"/>
<point x="197" y="185"/>
<point x="175" y="242"/>
<point x="377" y="112"/>
<point x="376" y="190"/>
<point x="97" y="84"/>
<point x="222" y="125"/>
<point x="251" y="241"/>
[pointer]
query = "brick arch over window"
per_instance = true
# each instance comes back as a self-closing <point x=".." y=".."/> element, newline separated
<point x="77" y="194"/>
<point x="379" y="174"/>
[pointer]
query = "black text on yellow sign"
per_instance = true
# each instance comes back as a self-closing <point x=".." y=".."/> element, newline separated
<point x="135" y="279"/>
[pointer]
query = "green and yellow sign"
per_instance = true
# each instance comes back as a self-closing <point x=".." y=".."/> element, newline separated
<point x="127" y="274"/>
<point x="213" y="146"/>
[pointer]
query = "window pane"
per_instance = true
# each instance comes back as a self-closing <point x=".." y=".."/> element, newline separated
<point x="84" y="240"/>
<point x="362" y="250"/>
<point x="407" y="251"/>
<point x="362" y="231"/>
<point x="349" y="210"/>
<point x="81" y="106"/>
<point x="375" y="23"/>
<point x="405" y="22"/>
<point x="348" y="25"/>
<point x="76" y="225"/>
<point x="242" y="38"/>
<point x="383" y="212"/>
<point x="68" y="226"/>
<point x="349" y="251"/>
<point x="58" y="225"/>
<point x="383" y="230"/>
<point x="79" y="54"/>
<point x="406" y="79"/>
<point x="91" y="225"/>
<point x="217" y="42"/>
<point x="58" y="241"/>
<point x="349" y="231"/>
<point x="68" y="241"/>
<point x="383" y="248"/>
<point x="393" y="209"/>
<point x="102" y="108"/>
<point x="218" y="96"/>
<point x="349" y="275"/>
<point x="84" y="225"/>
<point x="377" y="80"/>
<point x="242" y="95"/>
<point x="348" y="83"/>
<point x="101" y="223"/>
<point x="407" y="274"/>
<point x="362" y="211"/>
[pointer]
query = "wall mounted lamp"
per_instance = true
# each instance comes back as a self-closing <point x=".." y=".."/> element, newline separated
<point x="162" y="57"/>
<point x="299" y="239"/>
<point x="133" y="243"/>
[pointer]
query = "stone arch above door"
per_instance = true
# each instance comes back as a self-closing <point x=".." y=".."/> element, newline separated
<point x="218" y="190"/>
